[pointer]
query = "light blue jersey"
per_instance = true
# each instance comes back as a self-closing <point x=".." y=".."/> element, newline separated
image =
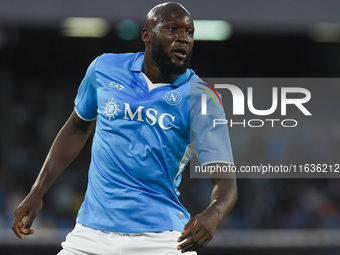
<point x="140" y="147"/>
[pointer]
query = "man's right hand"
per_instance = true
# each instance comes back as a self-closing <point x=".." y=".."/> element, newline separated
<point x="25" y="214"/>
<point x="65" y="148"/>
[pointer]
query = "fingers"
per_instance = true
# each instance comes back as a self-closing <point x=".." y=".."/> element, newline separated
<point x="26" y="228"/>
<point x="28" y="224"/>
<point x="25" y="214"/>
<point x="195" y="242"/>
<point x="17" y="226"/>
<point x="18" y="223"/>
<point x="188" y="230"/>
<point x="196" y="239"/>
<point x="195" y="235"/>
<point x="21" y="227"/>
<point x="28" y="231"/>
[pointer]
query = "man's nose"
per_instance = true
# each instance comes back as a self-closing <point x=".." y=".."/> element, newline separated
<point x="182" y="36"/>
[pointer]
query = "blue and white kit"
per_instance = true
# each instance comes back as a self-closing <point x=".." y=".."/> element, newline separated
<point x="143" y="140"/>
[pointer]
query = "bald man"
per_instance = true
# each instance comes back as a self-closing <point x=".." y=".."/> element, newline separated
<point x="145" y="134"/>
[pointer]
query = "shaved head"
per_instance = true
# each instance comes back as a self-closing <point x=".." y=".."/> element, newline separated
<point x="162" y="12"/>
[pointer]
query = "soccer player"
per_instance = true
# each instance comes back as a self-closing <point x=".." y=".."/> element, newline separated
<point x="146" y="131"/>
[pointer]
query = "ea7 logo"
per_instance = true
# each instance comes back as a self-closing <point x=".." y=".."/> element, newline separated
<point x="116" y="85"/>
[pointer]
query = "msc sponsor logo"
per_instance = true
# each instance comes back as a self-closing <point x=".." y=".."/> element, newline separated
<point x="149" y="115"/>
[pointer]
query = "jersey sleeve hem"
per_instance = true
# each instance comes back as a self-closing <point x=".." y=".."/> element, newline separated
<point x="82" y="116"/>
<point x="218" y="162"/>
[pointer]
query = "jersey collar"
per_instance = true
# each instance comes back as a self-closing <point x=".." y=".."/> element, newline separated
<point x="180" y="80"/>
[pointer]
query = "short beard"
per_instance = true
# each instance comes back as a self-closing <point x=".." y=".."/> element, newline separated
<point x="164" y="62"/>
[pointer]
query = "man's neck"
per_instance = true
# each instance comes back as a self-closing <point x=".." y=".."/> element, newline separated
<point x="151" y="70"/>
<point x="157" y="77"/>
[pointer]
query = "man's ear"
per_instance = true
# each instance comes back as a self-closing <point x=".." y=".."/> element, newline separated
<point x="146" y="35"/>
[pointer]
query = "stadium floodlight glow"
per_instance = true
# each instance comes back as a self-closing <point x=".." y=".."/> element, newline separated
<point x="85" y="27"/>
<point x="212" y="30"/>
<point x="325" y="32"/>
<point x="128" y="30"/>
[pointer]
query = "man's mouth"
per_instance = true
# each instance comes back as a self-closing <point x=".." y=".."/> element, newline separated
<point x="180" y="52"/>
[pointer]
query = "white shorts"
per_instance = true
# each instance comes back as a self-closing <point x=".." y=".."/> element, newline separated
<point x="87" y="241"/>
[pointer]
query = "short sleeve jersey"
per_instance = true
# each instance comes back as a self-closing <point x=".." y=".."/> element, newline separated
<point x="141" y="146"/>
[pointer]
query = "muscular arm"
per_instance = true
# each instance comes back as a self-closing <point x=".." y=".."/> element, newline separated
<point x="201" y="228"/>
<point x="67" y="145"/>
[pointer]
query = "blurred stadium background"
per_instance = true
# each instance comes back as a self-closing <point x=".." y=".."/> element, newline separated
<point x="44" y="53"/>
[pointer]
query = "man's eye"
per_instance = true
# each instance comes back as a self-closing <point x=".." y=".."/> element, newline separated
<point x="172" y="28"/>
<point x="190" y="32"/>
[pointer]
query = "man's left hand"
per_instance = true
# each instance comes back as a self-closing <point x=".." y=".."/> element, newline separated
<point x="198" y="232"/>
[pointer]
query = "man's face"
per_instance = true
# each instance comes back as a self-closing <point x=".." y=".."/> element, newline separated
<point x="172" y="43"/>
